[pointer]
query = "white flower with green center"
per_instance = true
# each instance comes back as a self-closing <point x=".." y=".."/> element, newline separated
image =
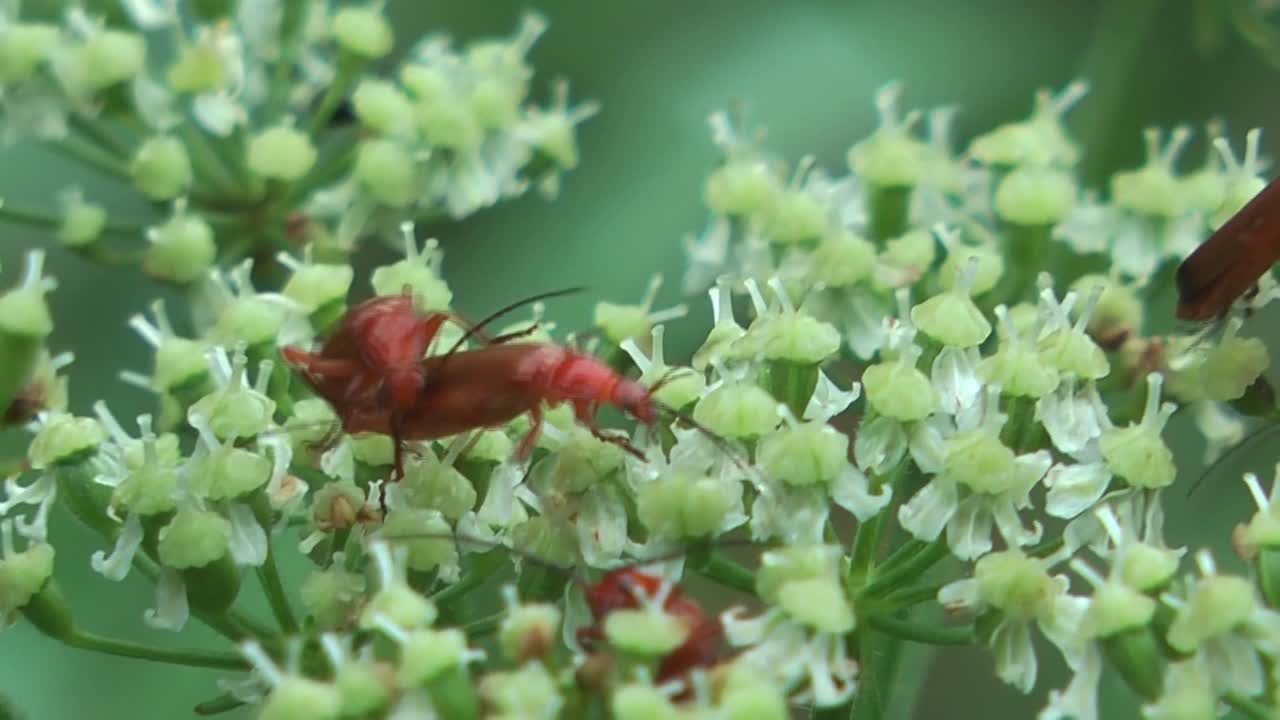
<point x="981" y="482"/>
<point x="800" y="641"/>
<point x="1023" y="593"/>
<point x="1222" y="620"/>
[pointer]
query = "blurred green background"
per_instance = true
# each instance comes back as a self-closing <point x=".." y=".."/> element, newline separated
<point x="808" y="72"/>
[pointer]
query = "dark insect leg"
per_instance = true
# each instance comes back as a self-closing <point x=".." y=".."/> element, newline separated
<point x="530" y="440"/>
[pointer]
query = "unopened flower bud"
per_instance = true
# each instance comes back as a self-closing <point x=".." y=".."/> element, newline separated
<point x="1138" y="453"/>
<point x="332" y="596"/>
<point x="418" y="270"/>
<point x="1153" y="189"/>
<point x="301" y="698"/>
<point x="82" y="222"/>
<point x="645" y="631"/>
<point x="383" y="107"/>
<point x="1018" y="585"/>
<point x="109" y="57"/>
<point x="530" y="691"/>
<point x="641" y="702"/>
<point x="23" y="574"/>
<point x="681" y="505"/>
<point x="737" y="410"/>
<point x="281" y="153"/>
<point x="1035" y="196"/>
<point x="181" y="251"/>
<point x="741" y="187"/>
<point x="24" y="46"/>
<point x="795" y="217"/>
<point x="804" y="454"/>
<point x="63" y="439"/>
<point x="899" y="390"/>
<point x="427" y="653"/>
<point x="363" y="31"/>
<point x="951" y="317"/>
<point x="843" y="259"/>
<point x="1218" y="604"/>
<point x="439" y="487"/>
<point x="386" y="170"/>
<point x="200" y="68"/>
<point x="819" y="602"/>
<point x="161" y="169"/>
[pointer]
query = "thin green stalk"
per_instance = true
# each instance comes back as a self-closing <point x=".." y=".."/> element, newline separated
<point x="1248" y="707"/>
<point x="48" y="221"/>
<point x="909" y="597"/>
<point x="868" y="704"/>
<point x="94" y="133"/>
<point x="928" y="634"/>
<point x="269" y="576"/>
<point x="894" y="577"/>
<point x="123" y="648"/>
<point x="348" y="70"/>
<point x="207" y="163"/>
<point x="728" y="573"/>
<point x="483" y="626"/>
<point x="88" y="155"/>
<point x="865" y="544"/>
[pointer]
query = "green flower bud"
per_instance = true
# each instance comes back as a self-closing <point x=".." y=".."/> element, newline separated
<point x="818" y="602"/>
<point x="790" y="336"/>
<point x="990" y="268"/>
<point x="281" y="153"/>
<point x="1039" y="140"/>
<point x="905" y="259"/>
<point x="898" y="390"/>
<point x="181" y="251"/>
<point x="332" y="596"/>
<point x="22" y="575"/>
<point x="1136" y="654"/>
<point x="641" y="702"/>
<point x="365" y="688"/>
<point x="316" y="286"/>
<point x="64" y="439"/>
<point x="1070" y="350"/>
<point x="1232" y="365"/>
<point x="792" y="564"/>
<point x="891" y="157"/>
<point x="1035" y="196"/>
<point x="233" y="411"/>
<point x="977" y="459"/>
<point x="401" y="605"/>
<point x="741" y="187"/>
<point x="427" y="653"/>
<point x="386" y="170"/>
<point x="299" y="698"/>
<point x="491" y="446"/>
<point x="373" y="449"/>
<point x="109" y="57"/>
<point x="583" y="461"/>
<point x="749" y="696"/>
<point x="1137" y="453"/>
<point x="1153" y="189"/>
<point x="530" y="691"/>
<point x="24" y="46"/>
<point x="230" y="472"/>
<point x="149" y="489"/>
<point x="620" y="322"/>
<point x="952" y="318"/>
<point x="804" y="454"/>
<point x="1015" y="584"/>
<point x="1016" y="368"/>
<point x="529" y="632"/>
<point x="795" y="217"/>
<point x="429" y="537"/>
<point x="383" y="107"/>
<point x="24" y="313"/>
<point x="161" y="169"/>
<point x="250" y="320"/>
<point x="439" y="487"/>
<point x="1148" y="568"/>
<point x="648" y="632"/>
<point x="1115" y="608"/>
<point x="199" y="69"/>
<point x="194" y="539"/>
<point x="180" y="363"/>
<point x="362" y="31"/>
<point x="421" y="272"/>
<point x="737" y="410"/>
<point x="842" y="259"/>
<point x="1218" y="605"/>
<point x="82" y="222"/>
<point x="681" y="505"/>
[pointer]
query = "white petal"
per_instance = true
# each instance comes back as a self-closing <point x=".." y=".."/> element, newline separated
<point x="864" y="323"/>
<point x="1015" y="655"/>
<point x="928" y="443"/>
<point x="116" y="566"/>
<point x="1011" y="527"/>
<point x="1069" y="417"/>
<point x="928" y="511"/>
<point x="248" y="543"/>
<point x="1028" y="469"/>
<point x="960" y="595"/>
<point x="852" y="491"/>
<point x="1074" y="489"/>
<point x="969" y="532"/>
<point x="881" y="444"/>
<point x="955" y="376"/>
<point x="601" y="525"/>
<point x="218" y="112"/>
<point x="171" y="611"/>
<point x="1234" y="664"/>
<point x="828" y="400"/>
<point x="1080" y="700"/>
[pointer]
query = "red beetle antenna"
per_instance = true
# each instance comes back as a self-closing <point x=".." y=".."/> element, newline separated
<point x="1249" y="439"/>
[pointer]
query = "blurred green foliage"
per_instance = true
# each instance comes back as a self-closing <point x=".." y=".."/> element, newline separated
<point x="807" y="71"/>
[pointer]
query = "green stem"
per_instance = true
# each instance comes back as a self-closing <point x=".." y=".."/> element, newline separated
<point x="123" y="648"/>
<point x="48" y="221"/>
<point x="728" y="573"/>
<point x="207" y="163"/>
<point x="894" y="577"/>
<point x="1249" y="708"/>
<point x="93" y="132"/>
<point x="930" y="635"/>
<point x="483" y="626"/>
<point x="94" y="158"/>
<point x="348" y="70"/>
<point x="269" y="576"/>
<point x="908" y="597"/>
<point x="865" y="543"/>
